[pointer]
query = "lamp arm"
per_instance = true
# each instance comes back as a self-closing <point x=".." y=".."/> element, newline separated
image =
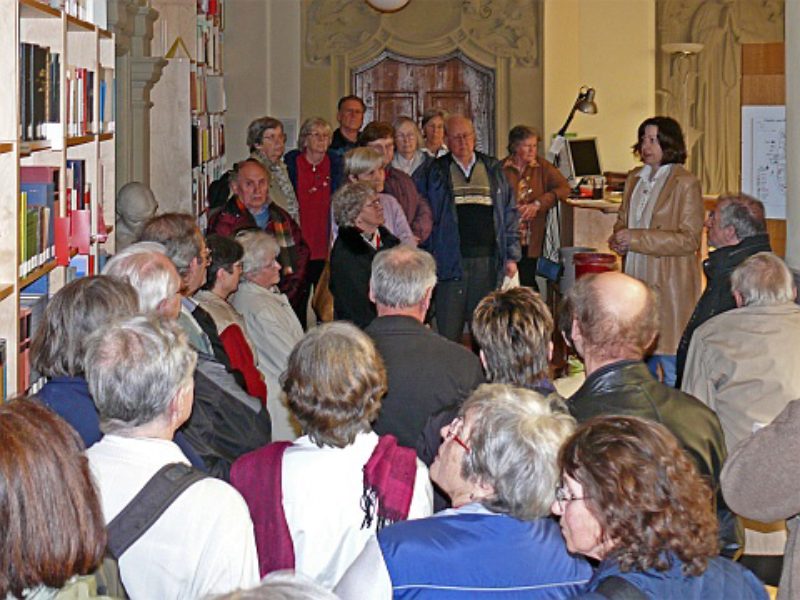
<point x="562" y="132"/>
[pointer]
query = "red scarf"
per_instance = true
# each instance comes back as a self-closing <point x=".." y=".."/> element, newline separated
<point x="389" y="477"/>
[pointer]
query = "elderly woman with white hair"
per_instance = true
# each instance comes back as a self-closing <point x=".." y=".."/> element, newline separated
<point x="365" y="164"/>
<point x="359" y="214"/>
<point x="409" y="157"/>
<point x="498" y="464"/>
<point x="316" y="173"/>
<point x="270" y="322"/>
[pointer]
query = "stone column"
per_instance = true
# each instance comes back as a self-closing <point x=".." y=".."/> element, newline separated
<point x="136" y="73"/>
<point x="792" y="24"/>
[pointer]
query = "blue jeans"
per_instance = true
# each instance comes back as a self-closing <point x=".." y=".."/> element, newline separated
<point x="668" y="367"/>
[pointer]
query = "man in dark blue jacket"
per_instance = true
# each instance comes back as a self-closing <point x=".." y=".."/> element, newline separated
<point x="475" y="238"/>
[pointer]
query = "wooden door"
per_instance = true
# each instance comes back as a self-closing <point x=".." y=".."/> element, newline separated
<point x="394" y="86"/>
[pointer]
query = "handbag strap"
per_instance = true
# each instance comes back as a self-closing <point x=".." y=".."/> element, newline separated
<point x="148" y="505"/>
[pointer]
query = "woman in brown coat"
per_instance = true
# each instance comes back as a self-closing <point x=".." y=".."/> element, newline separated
<point x="658" y="232"/>
<point x="538" y="186"/>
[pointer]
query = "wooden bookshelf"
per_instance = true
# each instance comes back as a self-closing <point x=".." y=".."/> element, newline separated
<point x="76" y="43"/>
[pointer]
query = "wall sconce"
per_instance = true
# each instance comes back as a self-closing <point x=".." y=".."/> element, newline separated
<point x="388" y="6"/>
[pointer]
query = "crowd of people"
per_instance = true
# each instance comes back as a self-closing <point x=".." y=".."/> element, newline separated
<point x="206" y="433"/>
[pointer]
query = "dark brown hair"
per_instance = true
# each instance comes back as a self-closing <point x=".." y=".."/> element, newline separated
<point x="670" y="138"/>
<point x="645" y="491"/>
<point x="376" y="130"/>
<point x="50" y="514"/>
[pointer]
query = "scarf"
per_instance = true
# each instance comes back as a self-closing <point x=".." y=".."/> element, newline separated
<point x="389" y="477"/>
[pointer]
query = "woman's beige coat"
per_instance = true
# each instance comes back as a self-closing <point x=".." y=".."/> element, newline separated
<point x="672" y="245"/>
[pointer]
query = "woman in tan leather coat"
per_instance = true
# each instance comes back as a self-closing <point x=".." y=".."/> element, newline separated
<point x="658" y="232"/>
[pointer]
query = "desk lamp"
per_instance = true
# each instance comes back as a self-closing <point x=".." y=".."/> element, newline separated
<point x="583" y="103"/>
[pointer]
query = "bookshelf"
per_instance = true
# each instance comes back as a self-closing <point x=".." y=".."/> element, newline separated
<point x="187" y="121"/>
<point x="56" y="134"/>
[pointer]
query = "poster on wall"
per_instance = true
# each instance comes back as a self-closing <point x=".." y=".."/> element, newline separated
<point x="764" y="157"/>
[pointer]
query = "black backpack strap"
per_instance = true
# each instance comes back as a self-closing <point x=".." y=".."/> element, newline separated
<point x="148" y="505"/>
<point x="618" y="588"/>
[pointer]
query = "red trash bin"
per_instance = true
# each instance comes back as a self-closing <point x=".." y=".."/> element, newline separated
<point x="594" y="262"/>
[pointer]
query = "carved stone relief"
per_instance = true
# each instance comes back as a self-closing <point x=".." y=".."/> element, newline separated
<point x="506" y="28"/>
<point x="703" y="89"/>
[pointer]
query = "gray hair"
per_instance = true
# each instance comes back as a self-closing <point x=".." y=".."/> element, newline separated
<point x="260" y="249"/>
<point x="403" y="120"/>
<point x="256" y="129"/>
<point x="514" y="442"/>
<point x="307" y="127"/>
<point x="349" y="201"/>
<point x="742" y="212"/>
<point x="763" y="280"/>
<point x="78" y="309"/>
<point x="134" y="369"/>
<point x="401" y="276"/>
<point x="179" y="234"/>
<point x="282" y="585"/>
<point x="362" y="160"/>
<point x="146" y="267"/>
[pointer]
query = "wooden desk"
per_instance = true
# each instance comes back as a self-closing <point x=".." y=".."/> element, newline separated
<point x="587" y="222"/>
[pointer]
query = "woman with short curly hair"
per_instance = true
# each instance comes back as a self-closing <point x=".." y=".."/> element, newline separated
<point x="631" y="498"/>
<point x="317" y="501"/>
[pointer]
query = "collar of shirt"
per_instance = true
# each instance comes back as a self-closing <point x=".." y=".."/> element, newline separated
<point x="188" y="303"/>
<point x="468" y="169"/>
<point x="661" y="172"/>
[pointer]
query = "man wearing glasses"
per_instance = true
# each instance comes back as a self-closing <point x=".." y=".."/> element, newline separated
<point x="475" y="237"/>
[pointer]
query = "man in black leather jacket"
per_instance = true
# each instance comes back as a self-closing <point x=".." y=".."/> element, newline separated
<point x="737" y="229"/>
<point x="614" y="322"/>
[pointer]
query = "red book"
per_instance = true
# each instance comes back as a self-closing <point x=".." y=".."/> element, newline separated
<point x="62" y="240"/>
<point x="80" y="233"/>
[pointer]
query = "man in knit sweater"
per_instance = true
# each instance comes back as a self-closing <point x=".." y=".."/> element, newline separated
<point x="475" y="238"/>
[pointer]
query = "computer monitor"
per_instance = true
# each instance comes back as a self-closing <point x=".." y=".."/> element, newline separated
<point x="583" y="158"/>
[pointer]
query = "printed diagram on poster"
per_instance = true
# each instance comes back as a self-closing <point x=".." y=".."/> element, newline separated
<point x="764" y="157"/>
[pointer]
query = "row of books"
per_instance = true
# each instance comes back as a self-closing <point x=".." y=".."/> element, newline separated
<point x="202" y="178"/>
<point x="80" y="101"/>
<point x="40" y="90"/>
<point x="208" y="138"/>
<point x="209" y="42"/>
<point x="44" y="235"/>
<point x="107" y="100"/>
<point x="31" y="313"/>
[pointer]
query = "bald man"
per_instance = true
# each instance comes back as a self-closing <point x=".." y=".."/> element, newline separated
<point x="475" y="237"/>
<point x="614" y="323"/>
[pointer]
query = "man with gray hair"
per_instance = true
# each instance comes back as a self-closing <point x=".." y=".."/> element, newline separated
<point x="743" y="363"/>
<point x="426" y="372"/>
<point x="140" y="376"/>
<point x="736" y="229"/>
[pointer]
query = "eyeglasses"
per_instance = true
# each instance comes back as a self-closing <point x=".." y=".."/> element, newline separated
<point x="406" y="136"/>
<point x="376" y="203"/>
<point x="462" y="137"/>
<point x="564" y="497"/>
<point x="455" y="427"/>
<point x="317" y="135"/>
